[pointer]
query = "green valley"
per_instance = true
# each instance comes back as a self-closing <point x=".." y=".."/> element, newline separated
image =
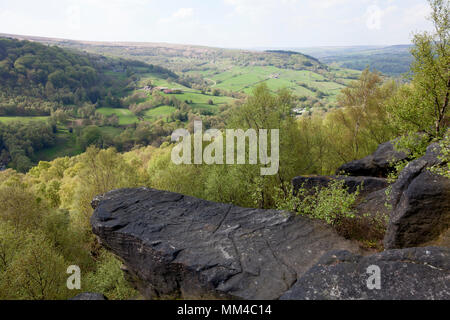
<point x="150" y="170"/>
<point x="232" y="70"/>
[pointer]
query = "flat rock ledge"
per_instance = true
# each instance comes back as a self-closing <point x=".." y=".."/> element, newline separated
<point x="175" y="246"/>
<point x="406" y="274"/>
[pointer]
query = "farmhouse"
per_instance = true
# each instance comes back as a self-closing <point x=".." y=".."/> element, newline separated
<point x="167" y="90"/>
<point x="160" y="88"/>
<point x="299" y="111"/>
<point x="172" y="91"/>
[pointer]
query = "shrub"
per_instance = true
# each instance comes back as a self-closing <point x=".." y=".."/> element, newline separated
<point x="335" y="206"/>
<point x="444" y="156"/>
<point x="331" y="204"/>
<point x="109" y="279"/>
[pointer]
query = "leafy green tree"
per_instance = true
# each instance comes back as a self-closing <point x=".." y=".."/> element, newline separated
<point x="109" y="279"/>
<point x="364" y="118"/>
<point x="20" y="207"/>
<point x="37" y="272"/>
<point x="264" y="110"/>
<point x="423" y="105"/>
<point x="91" y="136"/>
<point x="10" y="244"/>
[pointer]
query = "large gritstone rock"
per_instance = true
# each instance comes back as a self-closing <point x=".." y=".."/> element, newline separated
<point x="175" y="246"/>
<point x="407" y="274"/>
<point x="420" y="204"/>
<point x="365" y="184"/>
<point x="378" y="164"/>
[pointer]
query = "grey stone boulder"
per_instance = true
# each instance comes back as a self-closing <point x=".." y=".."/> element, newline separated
<point x="176" y="246"/>
<point x="406" y="274"/>
<point x="378" y="164"/>
<point x="420" y="204"/>
<point x="374" y="203"/>
<point x="366" y="184"/>
<point x="89" y="296"/>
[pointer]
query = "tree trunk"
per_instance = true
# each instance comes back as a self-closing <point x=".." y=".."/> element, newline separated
<point x="443" y="110"/>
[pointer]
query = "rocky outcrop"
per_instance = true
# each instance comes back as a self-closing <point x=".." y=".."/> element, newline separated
<point x="365" y="184"/>
<point x="175" y="246"/>
<point x="89" y="296"/>
<point x="378" y="164"/>
<point x="374" y="204"/>
<point x="420" y="204"/>
<point x="407" y="274"/>
<point x="419" y="200"/>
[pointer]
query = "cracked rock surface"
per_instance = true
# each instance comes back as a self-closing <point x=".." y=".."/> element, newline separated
<point x="175" y="246"/>
<point x="406" y="274"/>
<point x="420" y="203"/>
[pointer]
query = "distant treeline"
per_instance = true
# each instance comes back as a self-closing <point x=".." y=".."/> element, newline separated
<point x="290" y="53"/>
<point x="389" y="63"/>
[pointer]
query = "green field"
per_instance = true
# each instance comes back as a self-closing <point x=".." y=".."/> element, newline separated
<point x="200" y="101"/>
<point x="159" y="112"/>
<point x="27" y="119"/>
<point x="195" y="98"/>
<point x="157" y="81"/>
<point x="65" y="145"/>
<point x="112" y="131"/>
<point x="244" y="79"/>
<point x="126" y="117"/>
<point x="240" y="70"/>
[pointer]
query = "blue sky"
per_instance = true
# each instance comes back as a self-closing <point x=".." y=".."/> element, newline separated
<point x="221" y="23"/>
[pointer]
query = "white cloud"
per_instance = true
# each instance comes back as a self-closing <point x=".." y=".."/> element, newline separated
<point x="235" y="23"/>
<point x="181" y="14"/>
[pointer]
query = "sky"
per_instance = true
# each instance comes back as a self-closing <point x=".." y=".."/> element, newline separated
<point x="221" y="23"/>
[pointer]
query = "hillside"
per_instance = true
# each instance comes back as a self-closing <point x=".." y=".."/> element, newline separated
<point x="114" y="94"/>
<point x="182" y="58"/>
<point x="231" y="69"/>
<point x="36" y="79"/>
<point x="72" y="99"/>
<point x="154" y="171"/>
<point x="390" y="60"/>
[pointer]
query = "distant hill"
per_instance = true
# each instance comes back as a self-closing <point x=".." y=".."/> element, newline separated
<point x="232" y="70"/>
<point x="183" y="58"/>
<point x="391" y="60"/>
